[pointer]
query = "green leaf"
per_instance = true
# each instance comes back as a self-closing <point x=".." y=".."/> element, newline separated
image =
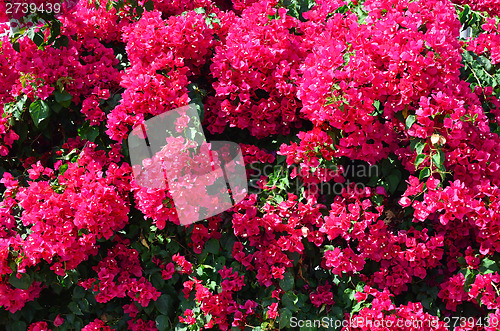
<point x="290" y="300"/>
<point x="212" y="246"/>
<point x="139" y="10"/>
<point x="22" y="283"/>
<point x="38" y="38"/>
<point x="16" y="47"/>
<point x="17" y="108"/>
<point x="63" y="98"/>
<point x="419" y="147"/>
<point x="438" y="158"/>
<point x="378" y="199"/>
<point x="84" y="305"/>
<point x="149" y="5"/>
<point x="75" y="309"/>
<point x="157" y="280"/>
<point x="220" y="262"/>
<point x="30" y="33"/>
<point x="485" y="62"/>
<point x="467" y="56"/>
<point x="420" y="158"/>
<point x="164" y="304"/>
<point x="474" y="17"/>
<point x="63" y="168"/>
<point x="162" y="323"/>
<point x="63" y="41"/>
<point x="149" y="309"/>
<point x="70" y="318"/>
<point x="488" y="266"/>
<point x="350" y="293"/>
<point x="424" y="173"/>
<point x="56" y="107"/>
<point x="413" y="143"/>
<point x="39" y="111"/>
<point x="88" y="132"/>
<point x="470" y="276"/>
<point x="285" y="315"/>
<point x="280" y="159"/>
<point x="288" y="282"/>
<point x="56" y="287"/>
<point x="78" y="292"/>
<point x="409" y="121"/>
<point x="463" y="16"/>
<point x="342" y="10"/>
<point x="55" y="31"/>
<point x="30" y="310"/>
<point x="196" y="95"/>
<point x="18" y="326"/>
<point x="393" y="180"/>
<point x="337" y="312"/>
<point x="357" y="307"/>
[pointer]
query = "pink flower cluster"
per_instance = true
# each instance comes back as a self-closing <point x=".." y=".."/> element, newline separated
<point x="60" y="217"/>
<point x="252" y="153"/>
<point x="483" y="291"/>
<point x="220" y="306"/>
<point x="164" y="56"/>
<point x="96" y="324"/>
<point x="380" y="313"/>
<point x="13" y="299"/>
<point x="255" y="72"/>
<point x="77" y="69"/>
<point x="7" y="135"/>
<point x="153" y="193"/>
<point x="401" y="255"/>
<point x="492" y="7"/>
<point x="489" y="41"/>
<point x="274" y="230"/>
<point x="66" y="218"/>
<point x="119" y="275"/>
<point x="323" y="295"/>
<point x="202" y="233"/>
<point x="314" y="146"/>
<point x="369" y="80"/>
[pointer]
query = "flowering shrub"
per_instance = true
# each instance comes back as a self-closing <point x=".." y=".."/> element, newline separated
<point x="370" y="130"/>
